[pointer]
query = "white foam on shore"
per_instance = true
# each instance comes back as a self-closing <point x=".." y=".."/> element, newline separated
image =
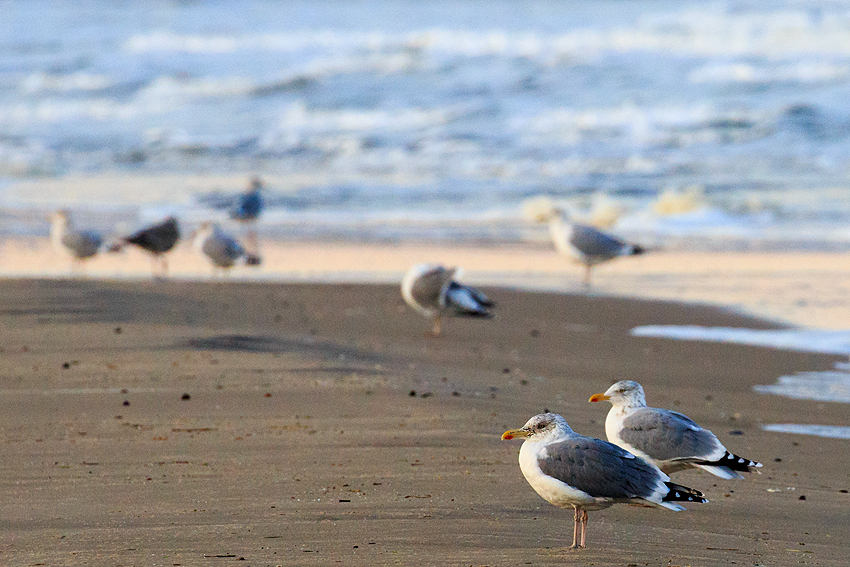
<point x="828" y="386"/>
<point x="805" y="340"/>
<point x="833" y="431"/>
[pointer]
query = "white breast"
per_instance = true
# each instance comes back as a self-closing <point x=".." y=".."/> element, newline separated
<point x="552" y="490"/>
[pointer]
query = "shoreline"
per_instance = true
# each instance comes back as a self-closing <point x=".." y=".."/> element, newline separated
<point x="173" y="422"/>
<point x="805" y="289"/>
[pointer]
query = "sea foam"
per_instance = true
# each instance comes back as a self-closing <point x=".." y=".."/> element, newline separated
<point x="833" y="431"/>
<point x="807" y="340"/>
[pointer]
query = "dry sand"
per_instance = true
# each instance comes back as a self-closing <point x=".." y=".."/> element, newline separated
<point x="809" y="289"/>
<point x="320" y="427"/>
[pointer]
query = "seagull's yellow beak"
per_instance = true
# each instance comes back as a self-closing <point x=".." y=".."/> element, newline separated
<point x="599" y="398"/>
<point x="514" y="433"/>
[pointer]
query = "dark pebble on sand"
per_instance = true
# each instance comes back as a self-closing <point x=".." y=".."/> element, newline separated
<point x="125" y="403"/>
<point x="117" y="330"/>
<point x="802" y="497"/>
<point x="777" y="460"/>
<point x="736" y="432"/>
<point x="456" y="393"/>
<point x="66" y="365"/>
<point x="185" y="397"/>
<point x="413" y="393"/>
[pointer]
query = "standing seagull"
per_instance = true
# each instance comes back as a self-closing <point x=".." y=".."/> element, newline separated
<point x="219" y="247"/>
<point x="80" y="244"/>
<point x="583" y="243"/>
<point x="157" y="239"/>
<point x="247" y="209"/>
<point x="574" y="471"/>
<point x="671" y="440"/>
<point x="431" y="290"/>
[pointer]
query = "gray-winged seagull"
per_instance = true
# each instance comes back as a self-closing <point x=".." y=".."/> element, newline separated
<point x="431" y="290"/>
<point x="585" y="244"/>
<point x="219" y="247"/>
<point x="574" y="471"/>
<point x="80" y="244"/>
<point x="671" y="440"/>
<point x="247" y="208"/>
<point x="157" y="239"/>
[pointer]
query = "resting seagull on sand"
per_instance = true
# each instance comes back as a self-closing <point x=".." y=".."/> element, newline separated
<point x="431" y="290"/>
<point x="157" y="239"/>
<point x="583" y="243"/>
<point x="219" y="247"/>
<point x="574" y="471"/>
<point x="671" y="440"/>
<point x="80" y="244"/>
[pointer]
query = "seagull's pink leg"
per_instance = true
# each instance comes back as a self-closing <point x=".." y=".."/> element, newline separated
<point x="576" y="529"/>
<point x="583" y="526"/>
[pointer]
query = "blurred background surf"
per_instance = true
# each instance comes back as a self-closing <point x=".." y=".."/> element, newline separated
<point x="718" y="125"/>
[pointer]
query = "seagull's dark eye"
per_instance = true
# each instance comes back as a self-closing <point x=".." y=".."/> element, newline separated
<point x="540" y="426"/>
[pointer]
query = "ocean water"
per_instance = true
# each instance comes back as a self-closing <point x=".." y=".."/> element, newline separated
<point x="805" y="340"/>
<point x="702" y="124"/>
<point x="824" y="386"/>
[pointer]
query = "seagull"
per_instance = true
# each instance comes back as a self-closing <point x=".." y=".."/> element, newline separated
<point x="431" y="290"/>
<point x="669" y="439"/>
<point x="80" y="244"/>
<point x="247" y="209"/>
<point x="157" y="239"/>
<point x="219" y="247"/>
<point x="585" y="244"/>
<point x="249" y="205"/>
<point x="571" y="470"/>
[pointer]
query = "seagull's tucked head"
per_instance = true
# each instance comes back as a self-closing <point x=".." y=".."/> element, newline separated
<point x="541" y="427"/>
<point x="625" y="393"/>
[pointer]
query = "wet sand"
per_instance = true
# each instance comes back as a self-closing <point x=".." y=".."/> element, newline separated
<point x="187" y="423"/>
<point x="810" y="289"/>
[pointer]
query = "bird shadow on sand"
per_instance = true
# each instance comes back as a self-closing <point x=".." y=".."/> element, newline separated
<point x="278" y="345"/>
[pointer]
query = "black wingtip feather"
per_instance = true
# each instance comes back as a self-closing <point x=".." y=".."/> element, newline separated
<point x="734" y="462"/>
<point x="679" y="493"/>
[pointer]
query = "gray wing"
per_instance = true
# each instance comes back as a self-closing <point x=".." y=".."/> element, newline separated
<point x="466" y="301"/>
<point x="592" y="242"/>
<point x="664" y="435"/>
<point x="428" y="288"/>
<point x="599" y="468"/>
<point x="222" y="251"/>
<point x="159" y="238"/>
<point x="83" y="243"/>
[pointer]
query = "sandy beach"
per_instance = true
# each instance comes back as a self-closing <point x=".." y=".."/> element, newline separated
<point x="296" y="411"/>
<point x="808" y="289"/>
<point x="196" y="423"/>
